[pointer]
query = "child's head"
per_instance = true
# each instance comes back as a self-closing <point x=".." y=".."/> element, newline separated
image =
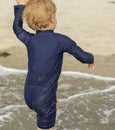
<point x="40" y="14"/>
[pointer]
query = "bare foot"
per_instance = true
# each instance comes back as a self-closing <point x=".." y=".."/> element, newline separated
<point x="57" y="105"/>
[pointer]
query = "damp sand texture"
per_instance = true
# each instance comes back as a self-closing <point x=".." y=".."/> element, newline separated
<point x="87" y="102"/>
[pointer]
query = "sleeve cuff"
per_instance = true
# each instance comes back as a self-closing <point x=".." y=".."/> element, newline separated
<point x="18" y="8"/>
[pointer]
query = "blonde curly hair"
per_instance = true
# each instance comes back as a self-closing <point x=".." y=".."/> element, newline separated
<point x="38" y="13"/>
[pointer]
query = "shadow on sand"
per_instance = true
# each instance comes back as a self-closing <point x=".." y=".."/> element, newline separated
<point x="112" y="2"/>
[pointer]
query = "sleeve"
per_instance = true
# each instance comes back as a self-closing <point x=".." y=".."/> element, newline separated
<point x="21" y="34"/>
<point x="69" y="46"/>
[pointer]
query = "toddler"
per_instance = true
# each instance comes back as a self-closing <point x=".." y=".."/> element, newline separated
<point x="45" y="51"/>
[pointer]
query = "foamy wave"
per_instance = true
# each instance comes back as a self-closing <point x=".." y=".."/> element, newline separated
<point x="11" y="107"/>
<point x="107" y="114"/>
<point x="88" y="93"/>
<point x="7" y="71"/>
<point x="4" y="117"/>
<point x="85" y="75"/>
<point x="6" y="112"/>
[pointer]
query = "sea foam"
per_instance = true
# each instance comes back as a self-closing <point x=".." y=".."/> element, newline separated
<point x="7" y="111"/>
<point x="88" y="93"/>
<point x="7" y="71"/>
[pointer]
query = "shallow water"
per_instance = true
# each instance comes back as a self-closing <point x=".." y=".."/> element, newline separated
<point x="87" y="102"/>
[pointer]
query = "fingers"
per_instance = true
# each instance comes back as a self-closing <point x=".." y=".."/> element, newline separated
<point x="92" y="66"/>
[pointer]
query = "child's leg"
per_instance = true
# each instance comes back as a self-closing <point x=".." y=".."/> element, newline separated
<point x="57" y="105"/>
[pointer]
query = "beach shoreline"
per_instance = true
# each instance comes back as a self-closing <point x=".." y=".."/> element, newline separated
<point x="17" y="58"/>
<point x="87" y="101"/>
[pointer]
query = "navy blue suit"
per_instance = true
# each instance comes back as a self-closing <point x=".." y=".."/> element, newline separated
<point x="45" y="54"/>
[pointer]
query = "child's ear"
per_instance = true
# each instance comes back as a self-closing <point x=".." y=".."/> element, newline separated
<point x="52" y="20"/>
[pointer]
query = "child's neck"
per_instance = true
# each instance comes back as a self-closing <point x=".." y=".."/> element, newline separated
<point x="45" y="29"/>
<point x="49" y="28"/>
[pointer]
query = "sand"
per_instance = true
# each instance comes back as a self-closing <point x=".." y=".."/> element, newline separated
<point x="90" y="23"/>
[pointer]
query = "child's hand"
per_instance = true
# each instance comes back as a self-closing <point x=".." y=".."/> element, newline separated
<point x="22" y="2"/>
<point x="92" y="66"/>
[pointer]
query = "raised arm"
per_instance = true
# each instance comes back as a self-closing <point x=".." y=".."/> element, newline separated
<point x="21" y="34"/>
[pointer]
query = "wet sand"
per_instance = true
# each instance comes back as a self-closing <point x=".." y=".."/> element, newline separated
<point x="91" y="24"/>
<point x="86" y="103"/>
<point x="17" y="58"/>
